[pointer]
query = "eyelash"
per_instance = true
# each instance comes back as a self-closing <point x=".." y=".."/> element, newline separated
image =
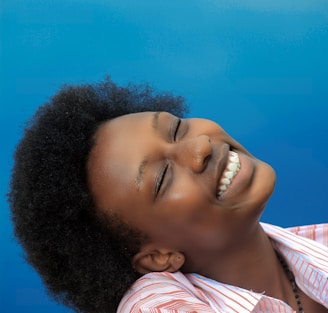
<point x="161" y="179"/>
<point x="175" y="130"/>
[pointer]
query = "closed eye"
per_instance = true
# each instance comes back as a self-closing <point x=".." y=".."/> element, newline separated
<point x="175" y="129"/>
<point x="160" y="180"/>
<point x="161" y="177"/>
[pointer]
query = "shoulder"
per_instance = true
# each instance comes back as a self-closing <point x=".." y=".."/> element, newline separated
<point x="159" y="292"/>
<point x="315" y="232"/>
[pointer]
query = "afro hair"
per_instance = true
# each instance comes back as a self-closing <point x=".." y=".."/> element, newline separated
<point x="84" y="262"/>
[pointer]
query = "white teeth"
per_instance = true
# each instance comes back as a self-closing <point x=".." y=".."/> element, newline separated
<point x="232" y="167"/>
<point x="225" y="181"/>
<point x="223" y="187"/>
<point x="234" y="158"/>
<point x="229" y="173"/>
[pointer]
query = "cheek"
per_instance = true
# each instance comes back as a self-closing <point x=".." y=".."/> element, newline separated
<point x="190" y="210"/>
<point x="190" y="217"/>
<point x="192" y="222"/>
<point x="186" y="202"/>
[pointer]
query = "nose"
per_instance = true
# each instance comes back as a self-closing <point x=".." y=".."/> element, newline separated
<point x="193" y="152"/>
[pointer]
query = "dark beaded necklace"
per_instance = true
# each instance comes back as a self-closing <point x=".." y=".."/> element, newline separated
<point x="291" y="278"/>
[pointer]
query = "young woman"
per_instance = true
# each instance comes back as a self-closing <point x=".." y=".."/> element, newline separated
<point x="122" y="205"/>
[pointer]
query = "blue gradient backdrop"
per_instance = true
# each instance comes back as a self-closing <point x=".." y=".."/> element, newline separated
<point x="260" y="68"/>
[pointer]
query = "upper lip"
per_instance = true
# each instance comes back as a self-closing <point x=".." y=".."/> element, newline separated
<point x="221" y="164"/>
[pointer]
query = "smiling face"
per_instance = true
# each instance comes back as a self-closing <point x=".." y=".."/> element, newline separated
<point x="164" y="176"/>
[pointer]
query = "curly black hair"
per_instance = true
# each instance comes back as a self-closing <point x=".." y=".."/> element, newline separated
<point x="83" y="259"/>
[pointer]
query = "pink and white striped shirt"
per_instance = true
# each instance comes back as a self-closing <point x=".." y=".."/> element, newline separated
<point x="305" y="249"/>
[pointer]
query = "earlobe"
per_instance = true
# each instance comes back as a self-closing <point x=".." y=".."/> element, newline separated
<point x="157" y="260"/>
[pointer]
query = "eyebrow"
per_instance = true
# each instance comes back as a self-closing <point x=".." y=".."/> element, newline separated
<point x="154" y="122"/>
<point x="141" y="169"/>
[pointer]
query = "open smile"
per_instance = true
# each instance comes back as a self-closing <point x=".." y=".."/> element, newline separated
<point x="230" y="171"/>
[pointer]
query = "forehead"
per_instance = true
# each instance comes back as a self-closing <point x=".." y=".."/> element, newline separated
<point x="113" y="159"/>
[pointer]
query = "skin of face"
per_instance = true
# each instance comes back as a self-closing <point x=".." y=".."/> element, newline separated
<point x="161" y="175"/>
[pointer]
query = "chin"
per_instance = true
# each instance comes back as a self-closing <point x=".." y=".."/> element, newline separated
<point x="264" y="186"/>
<point x="271" y="176"/>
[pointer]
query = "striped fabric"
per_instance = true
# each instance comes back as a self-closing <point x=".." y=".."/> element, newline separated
<point x="304" y="248"/>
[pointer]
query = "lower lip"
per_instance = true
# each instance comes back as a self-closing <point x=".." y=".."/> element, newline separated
<point x="243" y="178"/>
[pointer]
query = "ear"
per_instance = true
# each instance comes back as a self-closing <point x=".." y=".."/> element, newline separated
<point x="151" y="259"/>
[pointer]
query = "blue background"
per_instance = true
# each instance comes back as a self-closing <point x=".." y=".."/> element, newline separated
<point x="259" y="68"/>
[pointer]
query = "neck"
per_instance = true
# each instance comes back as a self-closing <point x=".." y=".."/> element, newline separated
<point x="253" y="265"/>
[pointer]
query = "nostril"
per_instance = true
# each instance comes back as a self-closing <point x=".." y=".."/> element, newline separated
<point x="205" y="161"/>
